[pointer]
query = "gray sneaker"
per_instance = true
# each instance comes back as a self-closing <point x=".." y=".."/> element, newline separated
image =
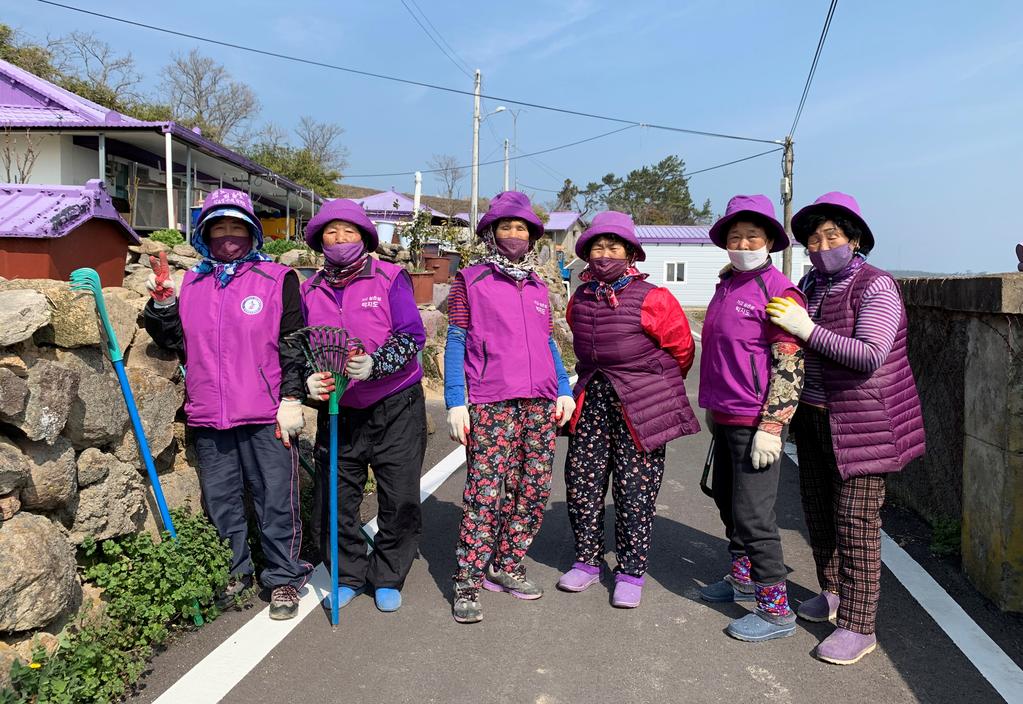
<point x="283" y="603"/>
<point x="467" y="607"/>
<point x="515" y="583"/>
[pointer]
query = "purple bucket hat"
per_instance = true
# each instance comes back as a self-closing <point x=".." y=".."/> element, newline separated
<point x="610" y="222"/>
<point x="512" y="204"/>
<point x="835" y="203"/>
<point x="341" y="209"/>
<point x="759" y="205"/>
<point x="221" y="203"/>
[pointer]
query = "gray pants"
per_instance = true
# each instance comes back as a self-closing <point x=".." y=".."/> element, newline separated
<point x="745" y="498"/>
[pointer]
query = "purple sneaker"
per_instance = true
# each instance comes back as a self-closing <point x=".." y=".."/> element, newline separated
<point x="579" y="578"/>
<point x="628" y="591"/>
<point x="822" y="607"/>
<point x="844" y="647"/>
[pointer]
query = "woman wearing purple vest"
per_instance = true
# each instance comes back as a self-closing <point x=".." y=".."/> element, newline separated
<point x="634" y="347"/>
<point x="383" y="411"/>
<point x="751" y="374"/>
<point x="501" y="355"/>
<point x="243" y="389"/>
<point x="859" y="417"/>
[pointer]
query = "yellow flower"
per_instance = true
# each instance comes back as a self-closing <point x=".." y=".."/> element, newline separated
<point x="35" y="665"/>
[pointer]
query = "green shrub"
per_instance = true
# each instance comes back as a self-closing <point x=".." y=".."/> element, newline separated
<point x="168" y="237"/>
<point x="276" y="248"/>
<point x="150" y="590"/>
<point x="946" y="537"/>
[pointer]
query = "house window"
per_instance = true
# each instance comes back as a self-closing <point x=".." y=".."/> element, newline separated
<point x="675" y="272"/>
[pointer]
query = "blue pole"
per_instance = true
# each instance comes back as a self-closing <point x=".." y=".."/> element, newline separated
<point x="147" y="455"/>
<point x="334" y="589"/>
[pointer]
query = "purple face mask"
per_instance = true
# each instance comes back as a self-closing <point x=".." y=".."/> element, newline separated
<point x="227" y="249"/>
<point x="607" y="269"/>
<point x="343" y="253"/>
<point x="832" y="261"/>
<point x="512" y="248"/>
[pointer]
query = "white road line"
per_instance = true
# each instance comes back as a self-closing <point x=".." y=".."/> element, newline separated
<point x="218" y="673"/>
<point x="990" y="660"/>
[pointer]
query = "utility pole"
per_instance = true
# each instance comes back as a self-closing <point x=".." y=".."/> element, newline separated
<point x="786" y="199"/>
<point x="506" y="164"/>
<point x="474" y="198"/>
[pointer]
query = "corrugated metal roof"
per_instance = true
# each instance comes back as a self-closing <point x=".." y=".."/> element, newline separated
<point x="393" y="203"/>
<point x="561" y="220"/>
<point x="53" y="211"/>
<point x="673" y="234"/>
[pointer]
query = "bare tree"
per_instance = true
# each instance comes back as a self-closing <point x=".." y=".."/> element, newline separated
<point x="202" y="91"/>
<point x="269" y="136"/>
<point x="449" y="174"/>
<point x="18" y="161"/>
<point x="88" y="58"/>
<point x="320" y="139"/>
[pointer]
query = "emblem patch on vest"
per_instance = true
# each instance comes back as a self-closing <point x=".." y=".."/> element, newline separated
<point x="252" y="305"/>
<point x="541" y="307"/>
<point x="372" y="301"/>
<point x="744" y="308"/>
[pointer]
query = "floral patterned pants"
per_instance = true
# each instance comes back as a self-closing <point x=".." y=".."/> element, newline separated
<point x="601" y="448"/>
<point x="510" y="443"/>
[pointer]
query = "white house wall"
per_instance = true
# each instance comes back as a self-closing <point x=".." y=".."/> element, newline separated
<point x="48" y="149"/>
<point x="702" y="264"/>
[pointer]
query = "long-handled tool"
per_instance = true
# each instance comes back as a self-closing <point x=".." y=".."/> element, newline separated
<point x="705" y="479"/>
<point x="312" y="473"/>
<point x="87" y="280"/>
<point x="328" y="349"/>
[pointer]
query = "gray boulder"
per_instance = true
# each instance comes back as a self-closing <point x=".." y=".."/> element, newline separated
<point x="158" y="401"/>
<point x="73" y="320"/>
<point x="111" y="507"/>
<point x="51" y="389"/>
<point x="93" y="467"/>
<point x="52" y="480"/>
<point x="21" y="314"/>
<point x="14" y="469"/>
<point x="98" y="416"/>
<point x="37" y="573"/>
<point x="13" y="394"/>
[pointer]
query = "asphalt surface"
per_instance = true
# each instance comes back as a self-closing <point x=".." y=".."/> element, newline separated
<point x="567" y="648"/>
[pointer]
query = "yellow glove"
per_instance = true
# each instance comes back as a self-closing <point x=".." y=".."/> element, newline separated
<point x="790" y="317"/>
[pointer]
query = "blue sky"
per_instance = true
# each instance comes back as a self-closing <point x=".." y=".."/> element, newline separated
<point x="916" y="107"/>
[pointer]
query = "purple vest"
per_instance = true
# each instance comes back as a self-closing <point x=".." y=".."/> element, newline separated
<point x="232" y="346"/>
<point x="647" y="379"/>
<point x="735" y="365"/>
<point x="365" y="312"/>
<point x="507" y="348"/>
<point x="876" y="422"/>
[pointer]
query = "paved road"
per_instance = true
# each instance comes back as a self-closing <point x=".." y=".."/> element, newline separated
<point x="568" y="648"/>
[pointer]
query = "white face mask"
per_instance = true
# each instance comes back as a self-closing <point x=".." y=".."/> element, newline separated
<point x="748" y="259"/>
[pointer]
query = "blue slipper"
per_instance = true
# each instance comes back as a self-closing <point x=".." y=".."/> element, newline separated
<point x="754" y="628"/>
<point x="387" y="599"/>
<point x="346" y="594"/>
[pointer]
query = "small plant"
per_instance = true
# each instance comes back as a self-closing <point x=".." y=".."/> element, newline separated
<point x="168" y="237"/>
<point x="276" y="248"/>
<point x="417" y="232"/>
<point x="946" y="537"/>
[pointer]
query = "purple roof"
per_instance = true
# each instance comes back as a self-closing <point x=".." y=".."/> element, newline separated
<point x="673" y="234"/>
<point x="28" y="210"/>
<point x="390" y="204"/>
<point x="561" y="220"/>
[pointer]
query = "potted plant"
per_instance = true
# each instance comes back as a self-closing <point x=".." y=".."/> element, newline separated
<point x="422" y="280"/>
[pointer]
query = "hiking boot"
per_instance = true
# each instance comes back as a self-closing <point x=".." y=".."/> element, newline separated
<point x="579" y="578"/>
<point x="283" y="603"/>
<point x="628" y="591"/>
<point x="515" y="583"/>
<point x="822" y="607"/>
<point x="725" y="590"/>
<point x="233" y="591"/>
<point x="845" y="647"/>
<point x="467" y="607"/>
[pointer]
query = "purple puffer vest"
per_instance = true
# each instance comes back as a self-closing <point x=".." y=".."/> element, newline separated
<point x="647" y="379"/>
<point x="232" y="346"/>
<point x="507" y="348"/>
<point x="735" y="365"/>
<point x="365" y="312"/>
<point x="876" y="421"/>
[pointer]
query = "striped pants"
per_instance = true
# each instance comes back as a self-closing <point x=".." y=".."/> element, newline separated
<point x="843" y="518"/>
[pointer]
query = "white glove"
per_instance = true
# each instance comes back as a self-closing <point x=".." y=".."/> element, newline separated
<point x="359" y="367"/>
<point x="766" y="449"/>
<point x="790" y="317"/>
<point x="166" y="291"/>
<point x="290" y="420"/>
<point x="319" y="385"/>
<point x="564" y="408"/>
<point x="458" y="423"/>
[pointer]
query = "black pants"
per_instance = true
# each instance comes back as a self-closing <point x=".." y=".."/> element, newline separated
<point x="745" y="498"/>
<point x="250" y="456"/>
<point x="390" y="436"/>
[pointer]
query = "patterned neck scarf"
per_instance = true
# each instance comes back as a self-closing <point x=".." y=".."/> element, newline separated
<point x="519" y="271"/>
<point x="341" y="276"/>
<point x="225" y="271"/>
<point x="608" y="291"/>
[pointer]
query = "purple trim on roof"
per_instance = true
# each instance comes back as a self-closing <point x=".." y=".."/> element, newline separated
<point x="561" y="220"/>
<point x="673" y="234"/>
<point x="390" y="205"/>
<point x="39" y="212"/>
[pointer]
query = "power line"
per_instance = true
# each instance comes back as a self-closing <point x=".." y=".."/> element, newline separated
<point x="406" y="81"/>
<point x="813" y="65"/>
<point x="499" y="161"/>
<point x="432" y="39"/>
<point x="441" y="36"/>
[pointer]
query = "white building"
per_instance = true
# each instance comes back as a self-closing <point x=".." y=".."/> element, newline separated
<point x="683" y="259"/>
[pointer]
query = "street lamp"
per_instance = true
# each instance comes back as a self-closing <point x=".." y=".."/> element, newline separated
<point x="514" y="142"/>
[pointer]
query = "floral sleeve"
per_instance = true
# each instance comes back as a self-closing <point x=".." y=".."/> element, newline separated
<point x="785" y="387"/>
<point x="391" y="357"/>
